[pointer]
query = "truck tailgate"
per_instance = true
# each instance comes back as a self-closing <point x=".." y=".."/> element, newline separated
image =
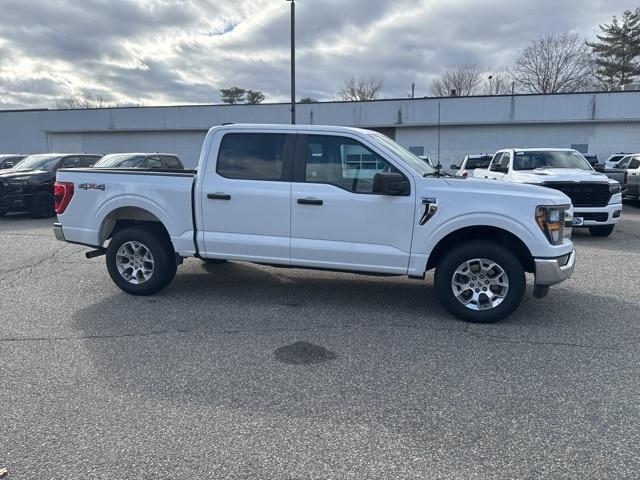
<point x="100" y="196"/>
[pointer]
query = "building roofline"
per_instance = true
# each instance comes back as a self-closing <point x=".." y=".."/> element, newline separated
<point x="328" y="102"/>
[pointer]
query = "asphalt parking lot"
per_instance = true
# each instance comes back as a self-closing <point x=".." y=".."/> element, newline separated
<point x="208" y="380"/>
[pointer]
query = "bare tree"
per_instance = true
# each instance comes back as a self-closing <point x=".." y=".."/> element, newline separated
<point x="82" y="101"/>
<point x="554" y="64"/>
<point x="360" y="89"/>
<point x="497" y="83"/>
<point x="461" y="80"/>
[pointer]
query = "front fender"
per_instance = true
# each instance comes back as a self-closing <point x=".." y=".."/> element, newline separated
<point x="424" y="245"/>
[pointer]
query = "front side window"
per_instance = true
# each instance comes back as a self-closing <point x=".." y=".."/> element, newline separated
<point x="634" y="164"/>
<point x="496" y="162"/>
<point x="251" y="156"/>
<point x="624" y="163"/>
<point x="343" y="162"/>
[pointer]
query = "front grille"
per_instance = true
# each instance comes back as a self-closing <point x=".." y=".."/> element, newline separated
<point x="593" y="216"/>
<point x="583" y="194"/>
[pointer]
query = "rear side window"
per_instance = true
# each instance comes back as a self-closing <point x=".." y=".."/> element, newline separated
<point x="251" y="156"/>
<point x="635" y="163"/>
<point x="88" y="161"/>
<point x="71" y="162"/>
<point x="171" y="162"/>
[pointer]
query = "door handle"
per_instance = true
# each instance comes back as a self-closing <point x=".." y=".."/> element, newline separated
<point x="309" y="201"/>
<point x="218" y="196"/>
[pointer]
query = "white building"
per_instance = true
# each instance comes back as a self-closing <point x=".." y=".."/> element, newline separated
<point x="600" y="123"/>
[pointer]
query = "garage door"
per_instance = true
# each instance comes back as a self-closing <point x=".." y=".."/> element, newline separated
<point x="186" y="144"/>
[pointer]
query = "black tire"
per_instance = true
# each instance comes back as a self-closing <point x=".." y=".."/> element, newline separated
<point x="602" y="231"/>
<point x="213" y="261"/>
<point x="158" y="244"/>
<point x="42" y="205"/>
<point x="480" y="250"/>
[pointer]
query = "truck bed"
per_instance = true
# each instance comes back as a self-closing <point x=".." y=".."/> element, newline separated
<point x="102" y="194"/>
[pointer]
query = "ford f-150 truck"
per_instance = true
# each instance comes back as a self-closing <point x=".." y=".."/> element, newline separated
<point x="320" y="197"/>
<point x="597" y="200"/>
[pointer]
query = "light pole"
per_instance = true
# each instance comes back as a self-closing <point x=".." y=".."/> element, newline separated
<point x="293" y="61"/>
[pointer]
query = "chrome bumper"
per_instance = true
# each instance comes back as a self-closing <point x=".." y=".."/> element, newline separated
<point x="550" y="271"/>
<point x="57" y="232"/>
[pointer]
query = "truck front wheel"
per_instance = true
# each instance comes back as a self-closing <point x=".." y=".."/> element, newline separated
<point x="140" y="260"/>
<point x="480" y="282"/>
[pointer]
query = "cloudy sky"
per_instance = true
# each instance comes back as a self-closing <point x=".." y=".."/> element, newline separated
<point x="183" y="51"/>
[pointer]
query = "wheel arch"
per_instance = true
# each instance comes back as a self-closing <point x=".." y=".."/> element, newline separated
<point x="127" y="216"/>
<point x="482" y="232"/>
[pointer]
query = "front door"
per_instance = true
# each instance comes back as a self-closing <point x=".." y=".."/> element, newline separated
<point x="337" y="221"/>
<point x="246" y="197"/>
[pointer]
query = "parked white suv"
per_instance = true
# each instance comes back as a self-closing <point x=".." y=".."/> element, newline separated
<point x="597" y="199"/>
<point x="326" y="198"/>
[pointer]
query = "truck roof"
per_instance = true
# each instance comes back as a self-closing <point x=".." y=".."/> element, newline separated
<point x="288" y="127"/>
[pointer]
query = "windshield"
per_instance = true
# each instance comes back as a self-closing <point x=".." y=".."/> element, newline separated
<point x="39" y="162"/>
<point x="531" y="160"/>
<point x="404" y="155"/>
<point x="122" y="161"/>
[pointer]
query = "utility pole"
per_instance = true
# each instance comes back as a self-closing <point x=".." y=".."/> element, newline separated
<point x="293" y="61"/>
<point x="413" y="89"/>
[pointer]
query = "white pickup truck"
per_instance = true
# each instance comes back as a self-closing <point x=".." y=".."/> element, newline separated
<point x="597" y="200"/>
<point x="321" y="197"/>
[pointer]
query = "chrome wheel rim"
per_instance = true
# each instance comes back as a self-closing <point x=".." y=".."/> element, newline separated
<point x="135" y="262"/>
<point x="480" y="284"/>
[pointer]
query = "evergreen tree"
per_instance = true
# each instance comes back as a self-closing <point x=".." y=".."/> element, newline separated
<point x="617" y="51"/>
<point x="232" y="95"/>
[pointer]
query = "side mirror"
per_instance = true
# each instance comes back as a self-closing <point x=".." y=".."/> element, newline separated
<point x="598" y="167"/>
<point x="455" y="167"/>
<point x="502" y="169"/>
<point x="390" y="184"/>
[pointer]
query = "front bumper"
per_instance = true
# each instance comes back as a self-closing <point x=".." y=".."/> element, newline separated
<point x="58" y="233"/>
<point x="594" y="216"/>
<point x="550" y="271"/>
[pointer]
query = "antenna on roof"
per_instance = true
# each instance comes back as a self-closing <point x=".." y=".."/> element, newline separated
<point x="438" y="165"/>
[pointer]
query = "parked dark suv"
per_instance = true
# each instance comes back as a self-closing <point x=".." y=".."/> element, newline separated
<point x="29" y="185"/>
<point x="162" y="161"/>
<point x="9" y="161"/>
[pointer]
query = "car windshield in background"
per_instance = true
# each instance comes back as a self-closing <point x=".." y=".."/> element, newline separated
<point x="477" y="163"/>
<point x="530" y="160"/>
<point x="121" y="161"/>
<point x="404" y="155"/>
<point x="38" y="162"/>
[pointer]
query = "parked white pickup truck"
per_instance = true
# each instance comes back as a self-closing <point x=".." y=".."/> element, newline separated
<point x="326" y="198"/>
<point x="597" y="200"/>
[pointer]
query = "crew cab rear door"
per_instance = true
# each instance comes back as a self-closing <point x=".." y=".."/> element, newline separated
<point x="245" y="196"/>
<point x="337" y="222"/>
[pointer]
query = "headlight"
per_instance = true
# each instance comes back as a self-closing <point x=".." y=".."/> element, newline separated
<point x="615" y="188"/>
<point x="552" y="222"/>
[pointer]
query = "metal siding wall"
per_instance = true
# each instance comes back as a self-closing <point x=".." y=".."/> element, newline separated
<point x="456" y="142"/>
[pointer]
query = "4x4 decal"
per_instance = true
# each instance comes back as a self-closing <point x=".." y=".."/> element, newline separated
<point x="92" y="186"/>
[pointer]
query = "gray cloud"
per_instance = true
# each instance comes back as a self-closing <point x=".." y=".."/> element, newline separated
<point x="184" y="51"/>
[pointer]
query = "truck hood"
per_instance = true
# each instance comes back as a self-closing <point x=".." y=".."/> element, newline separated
<point x="541" y="175"/>
<point x="506" y="189"/>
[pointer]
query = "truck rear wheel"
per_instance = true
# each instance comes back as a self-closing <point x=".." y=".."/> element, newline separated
<point x="601" y="231"/>
<point x="481" y="282"/>
<point x="140" y="260"/>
